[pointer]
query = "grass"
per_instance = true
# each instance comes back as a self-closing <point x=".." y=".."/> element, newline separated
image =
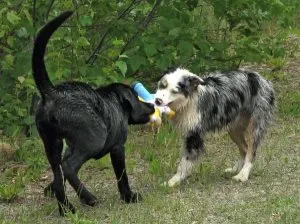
<point x="208" y="196"/>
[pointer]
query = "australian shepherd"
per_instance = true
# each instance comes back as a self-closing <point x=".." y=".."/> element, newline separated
<point x="241" y="102"/>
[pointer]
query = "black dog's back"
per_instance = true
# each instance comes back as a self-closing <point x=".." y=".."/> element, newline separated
<point x="93" y="123"/>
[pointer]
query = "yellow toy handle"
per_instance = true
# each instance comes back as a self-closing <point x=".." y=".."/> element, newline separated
<point x="155" y="118"/>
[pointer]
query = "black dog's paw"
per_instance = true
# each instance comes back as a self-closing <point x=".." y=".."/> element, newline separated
<point x="64" y="209"/>
<point x="90" y="200"/>
<point x="49" y="191"/>
<point x="132" y="198"/>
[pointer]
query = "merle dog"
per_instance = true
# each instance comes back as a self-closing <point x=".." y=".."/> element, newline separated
<point x="92" y="122"/>
<point x="241" y="101"/>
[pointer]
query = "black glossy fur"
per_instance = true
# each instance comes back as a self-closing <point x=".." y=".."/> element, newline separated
<point x="92" y="122"/>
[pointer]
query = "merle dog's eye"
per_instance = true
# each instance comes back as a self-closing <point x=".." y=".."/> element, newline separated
<point x="174" y="91"/>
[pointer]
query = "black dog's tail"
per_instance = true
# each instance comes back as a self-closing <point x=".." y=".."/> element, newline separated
<point x="40" y="74"/>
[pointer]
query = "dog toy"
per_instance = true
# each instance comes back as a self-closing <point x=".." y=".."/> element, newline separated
<point x="145" y="96"/>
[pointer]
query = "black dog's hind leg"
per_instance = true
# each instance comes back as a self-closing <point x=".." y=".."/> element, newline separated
<point x="71" y="165"/>
<point x="118" y="161"/>
<point x="53" y="147"/>
<point x="49" y="190"/>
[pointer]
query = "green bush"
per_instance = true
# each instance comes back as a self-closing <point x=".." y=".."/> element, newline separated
<point x="109" y="41"/>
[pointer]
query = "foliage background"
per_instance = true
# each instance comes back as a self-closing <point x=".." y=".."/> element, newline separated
<point x="107" y="41"/>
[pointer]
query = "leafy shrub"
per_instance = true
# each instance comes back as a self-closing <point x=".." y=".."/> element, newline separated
<point x="109" y="41"/>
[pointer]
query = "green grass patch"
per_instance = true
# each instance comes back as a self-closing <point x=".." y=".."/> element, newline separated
<point x="10" y="191"/>
<point x="290" y="104"/>
<point x="209" y="196"/>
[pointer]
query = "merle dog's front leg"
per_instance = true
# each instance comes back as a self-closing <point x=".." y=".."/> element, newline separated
<point x="193" y="147"/>
<point x="118" y="161"/>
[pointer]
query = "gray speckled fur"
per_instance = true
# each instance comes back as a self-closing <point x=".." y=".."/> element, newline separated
<point x="241" y="102"/>
<point x="231" y="96"/>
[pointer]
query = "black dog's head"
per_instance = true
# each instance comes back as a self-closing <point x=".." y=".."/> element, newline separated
<point x="138" y="112"/>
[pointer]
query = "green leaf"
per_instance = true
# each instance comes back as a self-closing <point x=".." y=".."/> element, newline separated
<point x="150" y="49"/>
<point x="83" y="42"/>
<point x="221" y="46"/>
<point x="82" y="70"/>
<point x="9" y="59"/>
<point x="117" y="42"/>
<point x="175" y="32"/>
<point x="136" y="61"/>
<point x="12" y="17"/>
<point x="185" y="47"/>
<point x="11" y="41"/>
<point x="123" y="56"/>
<point x="163" y="62"/>
<point x="85" y="20"/>
<point x="122" y="66"/>
<point x="2" y="33"/>
<point x="22" y="32"/>
<point x="29" y="120"/>
<point x="21" y="79"/>
<point x="28" y="16"/>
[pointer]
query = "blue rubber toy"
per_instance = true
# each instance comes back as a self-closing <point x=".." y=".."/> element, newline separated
<point x="144" y="95"/>
<point x="142" y="92"/>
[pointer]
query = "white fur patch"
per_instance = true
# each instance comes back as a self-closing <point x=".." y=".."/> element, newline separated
<point x="186" y="115"/>
<point x="244" y="173"/>
<point x="184" y="170"/>
<point x="187" y="118"/>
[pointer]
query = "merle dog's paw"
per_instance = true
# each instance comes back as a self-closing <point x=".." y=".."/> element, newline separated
<point x="132" y="198"/>
<point x="90" y="200"/>
<point x="49" y="191"/>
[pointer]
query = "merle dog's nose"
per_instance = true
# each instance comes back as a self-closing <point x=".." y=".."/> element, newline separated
<point x="158" y="101"/>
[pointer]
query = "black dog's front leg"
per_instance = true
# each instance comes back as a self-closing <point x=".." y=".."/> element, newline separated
<point x="118" y="161"/>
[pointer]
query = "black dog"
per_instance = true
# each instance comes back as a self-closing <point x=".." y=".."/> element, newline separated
<point x="92" y="122"/>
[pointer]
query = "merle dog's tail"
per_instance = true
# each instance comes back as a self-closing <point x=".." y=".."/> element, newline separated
<point x="40" y="74"/>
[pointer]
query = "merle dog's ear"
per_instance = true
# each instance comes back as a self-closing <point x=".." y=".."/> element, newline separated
<point x="194" y="82"/>
<point x="190" y="84"/>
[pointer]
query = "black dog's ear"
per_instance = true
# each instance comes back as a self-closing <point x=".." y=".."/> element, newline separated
<point x="139" y="112"/>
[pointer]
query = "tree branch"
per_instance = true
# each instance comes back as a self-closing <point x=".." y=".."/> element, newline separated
<point x="125" y="12"/>
<point x="93" y="57"/>
<point x="49" y="9"/>
<point x="34" y="18"/>
<point x="143" y="24"/>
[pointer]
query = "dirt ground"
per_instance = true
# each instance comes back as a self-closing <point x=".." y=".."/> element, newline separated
<point x="209" y="196"/>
